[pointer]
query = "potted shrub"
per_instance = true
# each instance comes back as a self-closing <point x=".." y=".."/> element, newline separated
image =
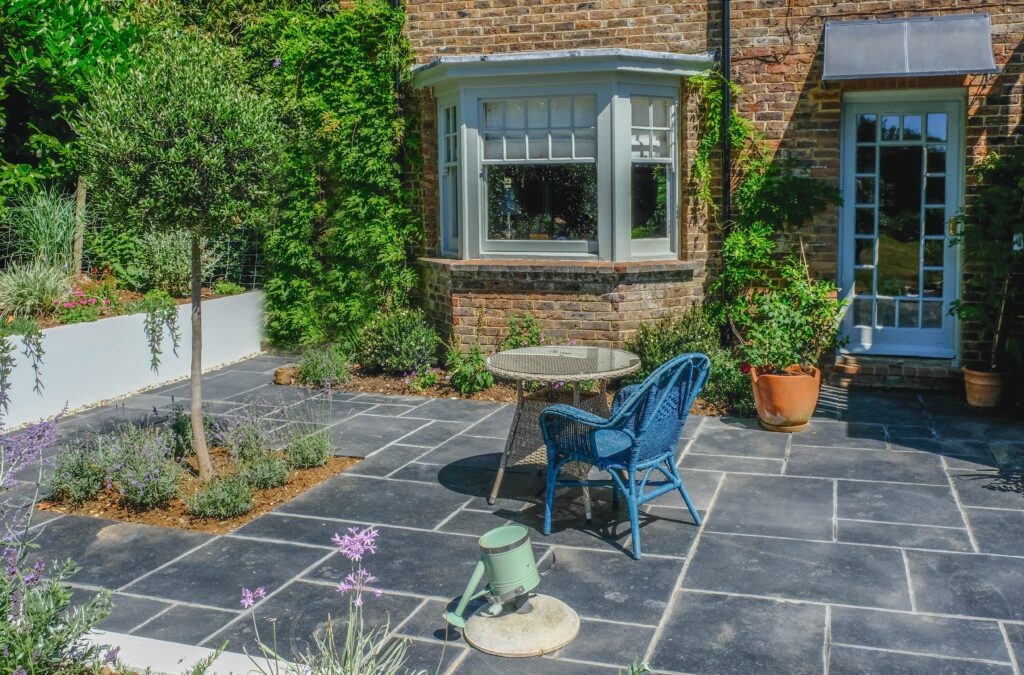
<point x="784" y="330"/>
<point x="992" y="230"/>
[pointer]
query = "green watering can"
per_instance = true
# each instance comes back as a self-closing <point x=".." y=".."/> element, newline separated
<point x="508" y="565"/>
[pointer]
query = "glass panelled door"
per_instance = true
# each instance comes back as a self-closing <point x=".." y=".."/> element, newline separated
<point x="901" y="188"/>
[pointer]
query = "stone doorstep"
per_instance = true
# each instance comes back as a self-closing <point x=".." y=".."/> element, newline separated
<point x="170" y="658"/>
<point x="852" y="371"/>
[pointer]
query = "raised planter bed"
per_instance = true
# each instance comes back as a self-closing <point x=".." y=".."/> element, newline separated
<point x="86" y="363"/>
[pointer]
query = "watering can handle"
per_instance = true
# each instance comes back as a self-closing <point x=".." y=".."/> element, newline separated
<point x="455" y="618"/>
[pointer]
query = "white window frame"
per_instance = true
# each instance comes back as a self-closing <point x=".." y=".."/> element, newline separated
<point x="449" y="135"/>
<point x="613" y="77"/>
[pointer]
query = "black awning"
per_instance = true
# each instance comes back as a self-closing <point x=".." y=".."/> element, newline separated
<point x="955" y="44"/>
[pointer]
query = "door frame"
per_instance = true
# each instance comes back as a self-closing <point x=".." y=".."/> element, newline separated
<point x="956" y="146"/>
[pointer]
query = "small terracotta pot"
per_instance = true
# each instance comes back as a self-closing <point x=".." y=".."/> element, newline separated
<point x="785" y="402"/>
<point x="984" y="388"/>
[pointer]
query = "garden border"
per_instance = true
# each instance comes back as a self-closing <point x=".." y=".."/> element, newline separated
<point x="86" y="363"/>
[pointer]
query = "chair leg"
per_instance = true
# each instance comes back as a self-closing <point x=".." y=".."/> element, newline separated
<point x="549" y="496"/>
<point x="682" y="490"/>
<point x="634" y="522"/>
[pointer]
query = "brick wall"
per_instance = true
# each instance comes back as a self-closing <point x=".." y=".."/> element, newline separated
<point x="777" y="59"/>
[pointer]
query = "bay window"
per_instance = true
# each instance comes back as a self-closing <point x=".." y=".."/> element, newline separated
<point x="560" y="155"/>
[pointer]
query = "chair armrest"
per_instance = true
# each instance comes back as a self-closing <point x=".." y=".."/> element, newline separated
<point x="570" y="430"/>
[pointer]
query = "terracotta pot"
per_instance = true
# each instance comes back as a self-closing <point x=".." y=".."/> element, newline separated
<point x="785" y="402"/>
<point x="984" y="388"/>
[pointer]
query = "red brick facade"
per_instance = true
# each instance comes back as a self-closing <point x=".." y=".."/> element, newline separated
<point x="777" y="59"/>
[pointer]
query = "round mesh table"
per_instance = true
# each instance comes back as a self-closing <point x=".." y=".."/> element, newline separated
<point x="553" y="367"/>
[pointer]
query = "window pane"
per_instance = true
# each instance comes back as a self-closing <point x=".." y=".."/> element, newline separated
<point x="934" y="250"/>
<point x="537" y="113"/>
<point x="911" y="127"/>
<point x="935" y="190"/>
<point x="899" y="220"/>
<point x="584" y="111"/>
<point x="891" y="128"/>
<point x="936" y="126"/>
<point x="866" y="125"/>
<point x="862" y="312"/>
<point x="886" y="313"/>
<point x="561" y="145"/>
<point x="641" y="108"/>
<point x="659" y="108"/>
<point x="649" y="201"/>
<point x="515" y="146"/>
<point x="935" y="222"/>
<point x="933" y="284"/>
<point x="561" y="112"/>
<point x="866" y="159"/>
<point x="542" y="201"/>
<point x="515" y="113"/>
<point x="866" y="221"/>
<point x="862" y="281"/>
<point x="493" y="146"/>
<point x="492" y="115"/>
<point x="538" y="145"/>
<point x="936" y="159"/>
<point x="932" y="315"/>
<point x="641" y="143"/>
<point x="451" y="201"/>
<point x="865" y="190"/>
<point x="865" y="251"/>
<point x="586" y="143"/>
<point x="909" y="314"/>
<point x="660" y="144"/>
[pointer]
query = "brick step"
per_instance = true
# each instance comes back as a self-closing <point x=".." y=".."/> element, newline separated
<point x="891" y="372"/>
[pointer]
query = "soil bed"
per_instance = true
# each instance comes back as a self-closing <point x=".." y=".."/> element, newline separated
<point x="107" y="504"/>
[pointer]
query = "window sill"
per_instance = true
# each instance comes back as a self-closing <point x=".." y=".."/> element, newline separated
<point x="560" y="266"/>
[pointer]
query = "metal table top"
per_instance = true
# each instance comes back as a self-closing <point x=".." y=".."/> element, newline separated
<point x="562" y="364"/>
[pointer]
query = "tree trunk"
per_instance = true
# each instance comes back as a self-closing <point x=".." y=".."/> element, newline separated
<point x="76" y="248"/>
<point x="198" y="431"/>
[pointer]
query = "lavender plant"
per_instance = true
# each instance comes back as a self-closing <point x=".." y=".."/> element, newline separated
<point x="221" y="498"/>
<point x="246" y="437"/>
<point x="363" y="652"/>
<point x="40" y="632"/>
<point x="307" y="450"/>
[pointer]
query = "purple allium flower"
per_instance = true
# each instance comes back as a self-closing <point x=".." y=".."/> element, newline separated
<point x="359" y="582"/>
<point x="356" y="542"/>
<point x="249" y="598"/>
<point x="276" y="63"/>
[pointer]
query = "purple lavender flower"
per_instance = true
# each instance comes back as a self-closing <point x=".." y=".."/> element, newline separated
<point x="356" y="542"/>
<point x="111" y="655"/>
<point x="276" y="63"/>
<point x="358" y="582"/>
<point x="20" y="671"/>
<point x="249" y="598"/>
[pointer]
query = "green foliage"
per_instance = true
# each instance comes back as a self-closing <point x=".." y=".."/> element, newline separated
<point x="41" y="226"/>
<point x="769" y="299"/>
<point x="247" y="438"/>
<point x="468" y="372"/>
<point x="165" y="262"/>
<point x="398" y="341"/>
<point x="42" y="632"/>
<point x="337" y="250"/>
<point x="32" y="290"/>
<point x="181" y="432"/>
<point x="269" y="471"/>
<point x="78" y="474"/>
<point x="141" y="466"/>
<point x="51" y="56"/>
<point x="421" y="380"/>
<point x="32" y="348"/>
<point x="523" y="330"/>
<point x="161" y="319"/>
<point x="308" y="449"/>
<point x="221" y="498"/>
<point x="227" y="288"/>
<point x="993" y="232"/>
<point x="327" y="366"/>
<point x="695" y="330"/>
<point x="179" y="144"/>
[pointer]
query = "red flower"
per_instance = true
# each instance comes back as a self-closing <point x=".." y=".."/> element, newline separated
<point x="745" y="368"/>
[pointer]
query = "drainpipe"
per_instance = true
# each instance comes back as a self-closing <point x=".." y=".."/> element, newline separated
<point x="726" y="108"/>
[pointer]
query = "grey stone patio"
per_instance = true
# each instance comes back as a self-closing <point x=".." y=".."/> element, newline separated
<point x="887" y="538"/>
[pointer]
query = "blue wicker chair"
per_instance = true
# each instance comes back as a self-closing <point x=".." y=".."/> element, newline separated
<point x="639" y="437"/>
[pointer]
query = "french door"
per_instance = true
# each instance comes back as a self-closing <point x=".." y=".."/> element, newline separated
<point x="901" y="178"/>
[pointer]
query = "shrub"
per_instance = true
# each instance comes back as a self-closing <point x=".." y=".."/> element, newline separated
<point x="523" y="331"/>
<point x="32" y="289"/>
<point x="265" y="472"/>
<point x="309" y="450"/>
<point x="227" y="288"/>
<point x="468" y="372"/>
<point x="325" y="366"/>
<point x="20" y="325"/>
<point x="181" y="432"/>
<point x="398" y="341"/>
<point x="142" y="468"/>
<point x="81" y="306"/>
<point x="41" y="226"/>
<point x="421" y="380"/>
<point x="246" y="438"/>
<point x="166" y="261"/>
<point x="221" y="498"/>
<point x="78" y="474"/>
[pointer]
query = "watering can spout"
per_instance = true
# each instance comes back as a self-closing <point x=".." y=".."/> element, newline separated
<point x="455" y="618"/>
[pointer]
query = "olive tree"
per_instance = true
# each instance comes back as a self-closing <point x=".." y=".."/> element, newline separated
<point x="179" y="143"/>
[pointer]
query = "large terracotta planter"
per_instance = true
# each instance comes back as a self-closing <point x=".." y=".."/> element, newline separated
<point x="984" y="388"/>
<point x="785" y="402"/>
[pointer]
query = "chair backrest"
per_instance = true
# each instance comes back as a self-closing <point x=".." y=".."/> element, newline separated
<point x="656" y="412"/>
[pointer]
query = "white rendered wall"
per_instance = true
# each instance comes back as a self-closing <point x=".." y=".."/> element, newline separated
<point x="86" y="363"/>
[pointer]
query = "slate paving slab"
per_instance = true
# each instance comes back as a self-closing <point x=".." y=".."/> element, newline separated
<point x="847" y="661"/>
<point x="739" y="437"/>
<point x="495" y="425"/>
<point x="988" y="489"/>
<point x="361" y="435"/>
<point x="889" y="502"/>
<point x="186" y="625"/>
<point x="113" y="553"/>
<point x="127" y="611"/>
<point x="898" y="631"/>
<point x="481" y="664"/>
<point x="454" y="410"/>
<point x="1015" y="635"/>
<point x="475" y="451"/>
<point x="732" y="463"/>
<point x="388" y="459"/>
<point x="831" y="434"/>
<point x="908" y="536"/>
<point x="435" y="433"/>
<point x="967" y="584"/>
<point x="202" y="576"/>
<point x="876" y="465"/>
<point x="776" y="506"/>
<point x="998" y="531"/>
<point x="725" y="634"/>
<point x="800" y="570"/>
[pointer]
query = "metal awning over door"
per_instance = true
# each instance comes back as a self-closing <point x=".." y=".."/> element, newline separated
<point x="955" y="44"/>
